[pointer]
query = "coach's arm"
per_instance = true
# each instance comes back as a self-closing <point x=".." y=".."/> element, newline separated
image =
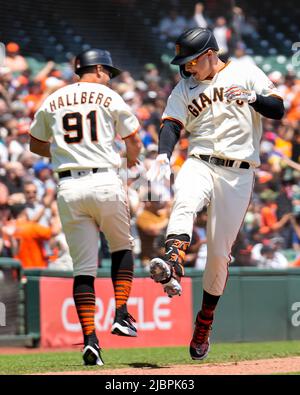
<point x="133" y="148"/>
<point x="39" y="147"/>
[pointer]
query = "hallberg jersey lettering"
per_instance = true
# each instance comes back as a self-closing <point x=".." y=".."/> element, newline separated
<point x="229" y="130"/>
<point x="82" y="120"/>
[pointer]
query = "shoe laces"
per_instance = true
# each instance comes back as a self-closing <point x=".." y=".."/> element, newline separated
<point x="201" y="332"/>
<point x="84" y="345"/>
<point x="125" y="316"/>
<point x="130" y="318"/>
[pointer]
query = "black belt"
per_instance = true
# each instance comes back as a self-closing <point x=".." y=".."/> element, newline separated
<point x="222" y="162"/>
<point x="67" y="173"/>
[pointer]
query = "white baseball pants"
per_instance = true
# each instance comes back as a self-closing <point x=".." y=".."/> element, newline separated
<point x="86" y="205"/>
<point x="227" y="192"/>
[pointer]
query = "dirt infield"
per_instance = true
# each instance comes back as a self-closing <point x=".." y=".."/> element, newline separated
<point x="261" y="366"/>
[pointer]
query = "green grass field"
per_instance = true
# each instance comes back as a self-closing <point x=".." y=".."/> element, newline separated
<point x="144" y="357"/>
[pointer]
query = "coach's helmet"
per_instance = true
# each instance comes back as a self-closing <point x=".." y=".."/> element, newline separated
<point x="191" y="44"/>
<point x="93" y="57"/>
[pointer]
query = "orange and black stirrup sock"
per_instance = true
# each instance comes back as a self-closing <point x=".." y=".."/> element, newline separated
<point x="85" y="302"/>
<point x="209" y="304"/>
<point x="121" y="275"/>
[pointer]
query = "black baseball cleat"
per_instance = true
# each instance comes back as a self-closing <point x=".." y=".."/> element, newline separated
<point x="92" y="355"/>
<point x="200" y="345"/>
<point x="123" y="325"/>
<point x="163" y="272"/>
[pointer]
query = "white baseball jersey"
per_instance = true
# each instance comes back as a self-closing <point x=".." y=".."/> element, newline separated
<point x="81" y="121"/>
<point x="230" y="130"/>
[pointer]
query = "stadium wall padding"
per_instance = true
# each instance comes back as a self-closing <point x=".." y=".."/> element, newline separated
<point x="257" y="304"/>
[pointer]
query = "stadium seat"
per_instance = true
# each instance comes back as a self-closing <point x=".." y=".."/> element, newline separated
<point x="264" y="44"/>
<point x="266" y="67"/>
<point x="281" y="59"/>
<point x="85" y="47"/>
<point x="258" y="59"/>
<point x="77" y="39"/>
<point x="279" y="35"/>
<point x="52" y="39"/>
<point x="272" y="51"/>
<point x="59" y="48"/>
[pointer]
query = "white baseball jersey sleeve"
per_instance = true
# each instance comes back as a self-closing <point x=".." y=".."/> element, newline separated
<point x="230" y="130"/>
<point x="81" y="121"/>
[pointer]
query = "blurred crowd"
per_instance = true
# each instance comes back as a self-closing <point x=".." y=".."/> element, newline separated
<point x="229" y="31"/>
<point x="30" y="229"/>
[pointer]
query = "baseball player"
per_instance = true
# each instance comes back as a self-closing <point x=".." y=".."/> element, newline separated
<point x="76" y="127"/>
<point x="220" y="106"/>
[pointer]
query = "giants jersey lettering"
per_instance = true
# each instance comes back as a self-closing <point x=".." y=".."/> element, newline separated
<point x="81" y="121"/>
<point x="228" y="130"/>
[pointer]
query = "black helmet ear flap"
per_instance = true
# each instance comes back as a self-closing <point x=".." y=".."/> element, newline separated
<point x="184" y="74"/>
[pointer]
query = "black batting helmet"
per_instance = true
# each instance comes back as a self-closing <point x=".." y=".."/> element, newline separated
<point x="93" y="57"/>
<point x="191" y="44"/>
